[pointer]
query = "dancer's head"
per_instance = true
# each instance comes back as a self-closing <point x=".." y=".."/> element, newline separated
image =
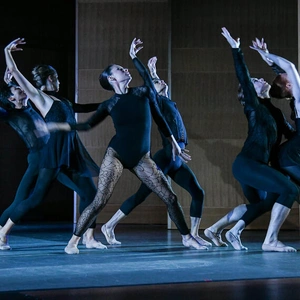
<point x="160" y="86"/>
<point x="261" y="87"/>
<point x="45" y="78"/>
<point x="281" y="87"/>
<point x="113" y="76"/>
<point x="12" y="96"/>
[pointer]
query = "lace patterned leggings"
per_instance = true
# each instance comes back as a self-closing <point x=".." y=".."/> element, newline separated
<point x="147" y="171"/>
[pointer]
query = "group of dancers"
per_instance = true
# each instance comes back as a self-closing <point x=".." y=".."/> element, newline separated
<point x="267" y="169"/>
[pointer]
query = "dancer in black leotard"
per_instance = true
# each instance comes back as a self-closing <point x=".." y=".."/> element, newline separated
<point x="130" y="109"/>
<point x="251" y="167"/>
<point x="64" y="157"/>
<point x="176" y="169"/>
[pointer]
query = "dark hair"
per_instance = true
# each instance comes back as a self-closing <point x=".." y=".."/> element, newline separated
<point x="276" y="91"/>
<point x="103" y="78"/>
<point x="41" y="73"/>
<point x="5" y="93"/>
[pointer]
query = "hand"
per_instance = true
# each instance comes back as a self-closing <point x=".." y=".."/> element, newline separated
<point x="184" y="156"/>
<point x="232" y="42"/>
<point x="182" y="153"/>
<point x="135" y="47"/>
<point x="152" y="63"/>
<point x="13" y="46"/>
<point x="259" y="44"/>
<point x="7" y="76"/>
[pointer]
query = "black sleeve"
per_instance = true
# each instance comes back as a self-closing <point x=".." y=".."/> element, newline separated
<point x="95" y="119"/>
<point x="242" y="73"/>
<point x="152" y="94"/>
<point x="144" y="73"/>
<point x="85" y="108"/>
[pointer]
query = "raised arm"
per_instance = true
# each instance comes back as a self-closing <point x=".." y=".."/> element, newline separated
<point x="41" y="101"/>
<point x="242" y="73"/>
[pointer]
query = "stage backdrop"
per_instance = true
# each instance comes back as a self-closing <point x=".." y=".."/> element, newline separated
<point x="196" y="61"/>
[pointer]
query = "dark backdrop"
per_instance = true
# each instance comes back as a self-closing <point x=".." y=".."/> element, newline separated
<point x="49" y="30"/>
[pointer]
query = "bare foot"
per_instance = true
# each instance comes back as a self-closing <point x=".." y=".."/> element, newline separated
<point x="71" y="249"/>
<point x="3" y="243"/>
<point x="235" y="241"/>
<point x="93" y="244"/>
<point x="192" y="242"/>
<point x="109" y="235"/>
<point x="202" y="242"/>
<point x="278" y="246"/>
<point x="215" y="238"/>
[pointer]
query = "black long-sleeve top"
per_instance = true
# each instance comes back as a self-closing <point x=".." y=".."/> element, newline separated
<point x="262" y="129"/>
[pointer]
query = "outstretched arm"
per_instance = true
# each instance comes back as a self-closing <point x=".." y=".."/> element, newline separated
<point x="42" y="103"/>
<point x="242" y="73"/>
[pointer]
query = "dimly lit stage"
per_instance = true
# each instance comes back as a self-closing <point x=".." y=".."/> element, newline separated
<point x="151" y="263"/>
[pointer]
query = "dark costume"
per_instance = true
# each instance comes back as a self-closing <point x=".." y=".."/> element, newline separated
<point x="65" y="158"/>
<point x="130" y="148"/>
<point x="251" y="167"/>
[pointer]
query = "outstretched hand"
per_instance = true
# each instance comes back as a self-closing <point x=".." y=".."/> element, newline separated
<point x="259" y="44"/>
<point x="234" y="43"/>
<point x="135" y="47"/>
<point x="13" y="46"/>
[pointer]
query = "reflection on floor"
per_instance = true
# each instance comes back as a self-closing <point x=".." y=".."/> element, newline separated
<point x="151" y="263"/>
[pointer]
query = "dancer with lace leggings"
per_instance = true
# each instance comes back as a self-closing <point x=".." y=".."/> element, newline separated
<point x="178" y="170"/>
<point x="131" y="110"/>
<point x="251" y="167"/>
<point x="64" y="155"/>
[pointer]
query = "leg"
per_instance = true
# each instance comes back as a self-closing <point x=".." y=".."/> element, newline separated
<point x="86" y="189"/>
<point x="214" y="232"/>
<point x="271" y="242"/>
<point x="154" y="178"/>
<point x="185" y="178"/>
<point x="264" y="178"/>
<point x="110" y="172"/>
<point x="45" y="178"/>
<point x="25" y="187"/>
<point x="139" y="197"/>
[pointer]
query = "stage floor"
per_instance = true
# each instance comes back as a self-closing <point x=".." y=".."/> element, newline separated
<point x="151" y="263"/>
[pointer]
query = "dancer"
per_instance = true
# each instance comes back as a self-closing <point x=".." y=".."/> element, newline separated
<point x="177" y="169"/>
<point x="17" y="112"/>
<point x="64" y="156"/>
<point x="130" y="109"/>
<point x="251" y="168"/>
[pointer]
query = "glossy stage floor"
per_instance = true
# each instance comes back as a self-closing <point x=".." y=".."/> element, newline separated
<point x="151" y="263"/>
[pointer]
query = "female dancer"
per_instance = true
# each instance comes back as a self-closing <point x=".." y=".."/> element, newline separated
<point x="251" y="167"/>
<point x="64" y="156"/>
<point x="130" y="109"/>
<point x="177" y="169"/>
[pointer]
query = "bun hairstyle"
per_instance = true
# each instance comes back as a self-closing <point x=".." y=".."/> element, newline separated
<point x="103" y="78"/>
<point x="41" y="73"/>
